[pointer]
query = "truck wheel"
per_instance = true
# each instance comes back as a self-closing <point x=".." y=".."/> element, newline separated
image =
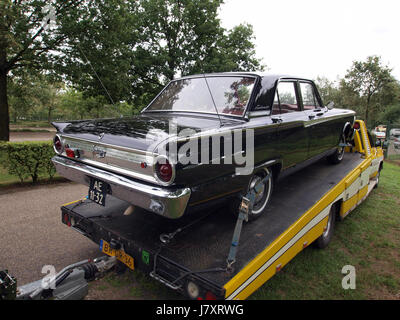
<point x="262" y="198"/>
<point x="377" y="178"/>
<point x="323" y="241"/>
<point x="337" y="157"/>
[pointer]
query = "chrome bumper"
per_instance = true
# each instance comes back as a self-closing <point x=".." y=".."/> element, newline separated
<point x="170" y="203"/>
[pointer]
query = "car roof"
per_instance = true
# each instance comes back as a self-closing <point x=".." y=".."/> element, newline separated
<point x="268" y="79"/>
<point x="241" y="73"/>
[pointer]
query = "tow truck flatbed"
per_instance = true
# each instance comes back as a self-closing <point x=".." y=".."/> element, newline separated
<point x="297" y="216"/>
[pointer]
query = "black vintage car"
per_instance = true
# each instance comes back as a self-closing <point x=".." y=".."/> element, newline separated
<point x="204" y="139"/>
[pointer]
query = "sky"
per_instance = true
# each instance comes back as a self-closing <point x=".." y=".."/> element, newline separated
<point x="309" y="38"/>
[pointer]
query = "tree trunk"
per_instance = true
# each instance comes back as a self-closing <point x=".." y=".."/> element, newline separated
<point x="4" y="115"/>
<point x="49" y="114"/>
<point x="367" y="109"/>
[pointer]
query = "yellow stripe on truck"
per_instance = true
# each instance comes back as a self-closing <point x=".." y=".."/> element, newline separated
<point x="276" y="265"/>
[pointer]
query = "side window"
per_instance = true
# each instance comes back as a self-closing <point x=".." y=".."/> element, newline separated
<point x="285" y="98"/>
<point x="275" y="107"/>
<point x="308" y="95"/>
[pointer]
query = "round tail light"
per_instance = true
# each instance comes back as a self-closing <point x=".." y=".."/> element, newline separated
<point x="164" y="171"/>
<point x="58" y="146"/>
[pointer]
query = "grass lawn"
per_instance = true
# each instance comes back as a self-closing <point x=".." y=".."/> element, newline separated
<point x="35" y="124"/>
<point x="28" y="130"/>
<point x="131" y="285"/>
<point x="368" y="239"/>
<point x="6" y="178"/>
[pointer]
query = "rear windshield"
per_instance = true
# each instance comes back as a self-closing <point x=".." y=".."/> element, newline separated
<point x="231" y="95"/>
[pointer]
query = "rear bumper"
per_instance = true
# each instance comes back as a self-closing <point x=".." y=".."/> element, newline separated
<point x="170" y="203"/>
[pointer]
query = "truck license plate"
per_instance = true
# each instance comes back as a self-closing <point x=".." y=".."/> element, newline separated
<point x="98" y="191"/>
<point x="119" y="254"/>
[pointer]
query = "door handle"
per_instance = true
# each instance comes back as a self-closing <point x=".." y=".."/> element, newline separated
<point x="311" y="116"/>
<point x="276" y="120"/>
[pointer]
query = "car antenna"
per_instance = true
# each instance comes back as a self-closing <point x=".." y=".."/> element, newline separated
<point x="97" y="76"/>
<point x="212" y="98"/>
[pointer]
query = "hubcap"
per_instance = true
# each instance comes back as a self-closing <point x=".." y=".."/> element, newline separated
<point x="340" y="150"/>
<point x="328" y="226"/>
<point x="262" y="195"/>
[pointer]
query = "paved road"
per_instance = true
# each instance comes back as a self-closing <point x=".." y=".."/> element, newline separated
<point x="31" y="232"/>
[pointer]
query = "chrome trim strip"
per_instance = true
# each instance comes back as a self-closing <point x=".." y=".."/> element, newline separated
<point x="116" y="159"/>
<point x="268" y="163"/>
<point x="325" y="119"/>
<point x="99" y="143"/>
<point x="259" y="113"/>
<point x="109" y="151"/>
<point x="170" y="203"/>
<point x="199" y="112"/>
<point x="125" y="172"/>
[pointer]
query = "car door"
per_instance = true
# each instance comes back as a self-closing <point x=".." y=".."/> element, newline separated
<point x="321" y="132"/>
<point x="292" y="136"/>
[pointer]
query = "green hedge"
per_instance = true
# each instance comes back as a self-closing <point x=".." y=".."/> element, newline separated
<point x="28" y="159"/>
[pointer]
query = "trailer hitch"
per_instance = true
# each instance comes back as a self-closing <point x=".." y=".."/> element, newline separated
<point x="71" y="283"/>
<point x="8" y="286"/>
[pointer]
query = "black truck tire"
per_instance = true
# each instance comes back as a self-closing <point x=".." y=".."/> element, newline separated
<point x="338" y="155"/>
<point x="326" y="237"/>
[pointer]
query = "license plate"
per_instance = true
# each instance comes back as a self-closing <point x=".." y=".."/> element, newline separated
<point x="119" y="254"/>
<point x="98" y="191"/>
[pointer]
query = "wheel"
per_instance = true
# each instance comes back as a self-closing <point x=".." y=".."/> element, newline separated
<point x="323" y="241"/>
<point x="262" y="198"/>
<point x="377" y="178"/>
<point x="337" y="157"/>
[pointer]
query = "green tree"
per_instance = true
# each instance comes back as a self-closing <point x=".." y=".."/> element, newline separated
<point x="234" y="50"/>
<point x="97" y="57"/>
<point x="28" y="34"/>
<point x="146" y="43"/>
<point x="32" y="95"/>
<point x="20" y="96"/>
<point x="391" y="115"/>
<point x="368" y="81"/>
<point x="122" y="50"/>
<point x="72" y="104"/>
<point x="329" y="91"/>
<point x="47" y="95"/>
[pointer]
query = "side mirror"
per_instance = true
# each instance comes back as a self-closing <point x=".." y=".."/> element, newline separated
<point x="330" y="105"/>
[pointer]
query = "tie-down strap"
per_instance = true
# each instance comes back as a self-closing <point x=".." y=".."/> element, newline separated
<point x="245" y="207"/>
